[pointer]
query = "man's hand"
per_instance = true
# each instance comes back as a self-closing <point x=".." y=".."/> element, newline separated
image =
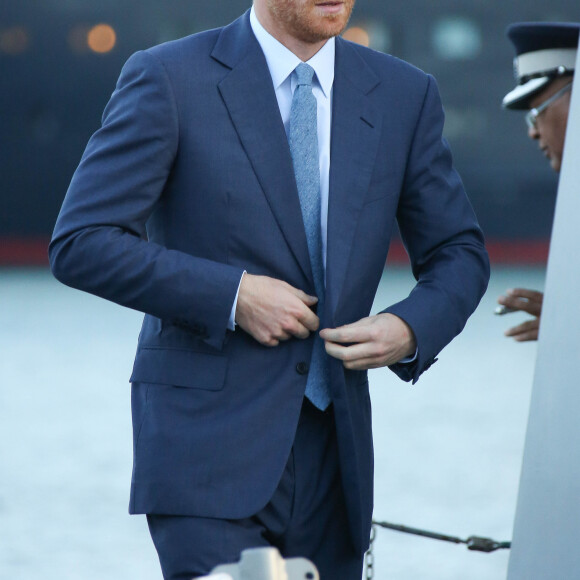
<point x="271" y="310"/>
<point x="370" y="343"/>
<point x="529" y="301"/>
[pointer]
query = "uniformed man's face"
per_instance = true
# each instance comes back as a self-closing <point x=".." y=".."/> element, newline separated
<point x="550" y="129"/>
<point x="307" y="21"/>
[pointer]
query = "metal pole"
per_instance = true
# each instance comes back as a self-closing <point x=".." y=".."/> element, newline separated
<point x="547" y="523"/>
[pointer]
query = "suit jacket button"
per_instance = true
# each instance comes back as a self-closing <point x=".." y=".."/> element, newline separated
<point x="302" y="368"/>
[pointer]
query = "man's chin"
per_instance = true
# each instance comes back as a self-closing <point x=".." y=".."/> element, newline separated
<point x="326" y="29"/>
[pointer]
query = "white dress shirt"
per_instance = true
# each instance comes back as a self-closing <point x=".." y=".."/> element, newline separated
<point x="281" y="64"/>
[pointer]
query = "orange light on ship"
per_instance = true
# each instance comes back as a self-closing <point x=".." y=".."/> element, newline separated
<point x="14" y="40"/>
<point x="102" y="38"/>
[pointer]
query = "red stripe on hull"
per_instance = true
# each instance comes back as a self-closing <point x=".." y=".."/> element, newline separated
<point x="508" y="252"/>
<point x="33" y="252"/>
<point x="23" y="252"/>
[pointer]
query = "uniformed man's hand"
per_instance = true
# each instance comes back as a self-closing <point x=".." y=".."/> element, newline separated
<point x="370" y="343"/>
<point x="271" y="310"/>
<point x="529" y="301"/>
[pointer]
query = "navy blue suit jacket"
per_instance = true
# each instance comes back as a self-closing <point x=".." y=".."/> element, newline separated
<point x="188" y="183"/>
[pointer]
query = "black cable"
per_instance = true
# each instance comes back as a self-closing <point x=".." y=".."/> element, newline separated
<point x="474" y="543"/>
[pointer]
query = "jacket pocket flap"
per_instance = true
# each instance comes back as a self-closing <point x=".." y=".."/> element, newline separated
<point x="180" y="368"/>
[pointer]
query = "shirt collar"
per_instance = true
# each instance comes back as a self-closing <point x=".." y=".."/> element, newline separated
<point x="282" y="61"/>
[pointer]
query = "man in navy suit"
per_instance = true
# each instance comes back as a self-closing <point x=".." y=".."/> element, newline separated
<point x="188" y="206"/>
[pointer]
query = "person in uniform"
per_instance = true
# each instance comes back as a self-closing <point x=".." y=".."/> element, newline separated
<point x="544" y="69"/>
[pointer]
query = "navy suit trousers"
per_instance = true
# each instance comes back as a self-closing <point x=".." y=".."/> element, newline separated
<point x="306" y="517"/>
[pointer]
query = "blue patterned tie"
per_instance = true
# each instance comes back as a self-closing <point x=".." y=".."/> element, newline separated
<point x="303" y="140"/>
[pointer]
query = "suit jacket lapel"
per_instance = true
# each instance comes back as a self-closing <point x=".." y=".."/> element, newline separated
<point x="356" y="125"/>
<point x="248" y="94"/>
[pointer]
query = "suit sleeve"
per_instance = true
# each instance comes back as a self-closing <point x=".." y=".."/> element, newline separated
<point x="99" y="243"/>
<point x="443" y="239"/>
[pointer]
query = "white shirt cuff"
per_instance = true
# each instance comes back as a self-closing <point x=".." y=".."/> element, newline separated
<point x="232" y="320"/>
<point x="409" y="359"/>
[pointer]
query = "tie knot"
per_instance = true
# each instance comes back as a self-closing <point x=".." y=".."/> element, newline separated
<point x="304" y="73"/>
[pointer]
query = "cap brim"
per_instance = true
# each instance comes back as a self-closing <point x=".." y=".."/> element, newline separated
<point x="519" y="97"/>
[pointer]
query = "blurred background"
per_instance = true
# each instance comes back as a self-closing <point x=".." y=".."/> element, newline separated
<point x="59" y="61"/>
<point x="448" y="450"/>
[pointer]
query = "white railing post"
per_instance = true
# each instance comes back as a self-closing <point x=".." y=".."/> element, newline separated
<point x="265" y="564"/>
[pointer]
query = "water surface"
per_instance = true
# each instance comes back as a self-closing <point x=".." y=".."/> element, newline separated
<point x="448" y="450"/>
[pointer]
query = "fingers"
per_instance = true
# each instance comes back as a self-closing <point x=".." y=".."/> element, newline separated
<point x="526" y="331"/>
<point x="298" y="318"/>
<point x="371" y="342"/>
<point x="306" y="298"/>
<point x="361" y="356"/>
<point x="294" y="328"/>
<point x="524" y="300"/>
<point x="348" y="353"/>
<point x="273" y="311"/>
<point x="356" y="332"/>
<point x="529" y="301"/>
<point x="308" y="320"/>
<point x="532" y="295"/>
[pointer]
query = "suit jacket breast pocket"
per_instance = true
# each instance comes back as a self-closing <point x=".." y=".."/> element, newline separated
<point x="179" y="368"/>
